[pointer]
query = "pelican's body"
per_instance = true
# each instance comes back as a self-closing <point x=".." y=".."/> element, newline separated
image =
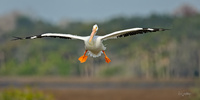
<point x="94" y="47"/>
<point x="93" y="43"/>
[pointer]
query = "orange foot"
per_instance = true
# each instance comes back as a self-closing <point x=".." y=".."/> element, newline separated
<point x="83" y="58"/>
<point x="106" y="58"/>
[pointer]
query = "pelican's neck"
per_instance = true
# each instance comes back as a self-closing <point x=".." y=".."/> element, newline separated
<point x="92" y="35"/>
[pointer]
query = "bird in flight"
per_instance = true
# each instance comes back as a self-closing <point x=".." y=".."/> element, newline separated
<point x="93" y="43"/>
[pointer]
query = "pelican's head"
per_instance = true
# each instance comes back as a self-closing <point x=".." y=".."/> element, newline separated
<point x="95" y="27"/>
<point x="94" y="31"/>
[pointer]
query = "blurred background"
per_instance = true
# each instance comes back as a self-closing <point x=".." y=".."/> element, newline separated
<point x="162" y="65"/>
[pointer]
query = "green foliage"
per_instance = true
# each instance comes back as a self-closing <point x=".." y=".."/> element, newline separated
<point x="168" y="54"/>
<point x="112" y="71"/>
<point x="195" y="94"/>
<point x="24" y="94"/>
<point x="24" y="22"/>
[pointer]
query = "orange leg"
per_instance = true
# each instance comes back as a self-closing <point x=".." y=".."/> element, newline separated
<point x="83" y="58"/>
<point x="106" y="58"/>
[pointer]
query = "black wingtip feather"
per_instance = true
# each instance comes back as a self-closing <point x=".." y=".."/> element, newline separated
<point x="159" y="29"/>
<point x="162" y="29"/>
<point x="16" y="38"/>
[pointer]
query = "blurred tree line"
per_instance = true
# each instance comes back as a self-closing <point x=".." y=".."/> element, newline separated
<point x="169" y="54"/>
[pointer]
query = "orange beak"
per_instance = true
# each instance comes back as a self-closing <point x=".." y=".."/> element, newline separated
<point x="92" y="35"/>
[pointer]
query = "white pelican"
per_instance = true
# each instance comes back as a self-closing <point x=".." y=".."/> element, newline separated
<point x="93" y="43"/>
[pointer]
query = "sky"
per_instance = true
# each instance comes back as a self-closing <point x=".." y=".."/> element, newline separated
<point x="90" y="10"/>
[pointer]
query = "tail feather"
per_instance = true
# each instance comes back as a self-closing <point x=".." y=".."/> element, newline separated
<point x="94" y="55"/>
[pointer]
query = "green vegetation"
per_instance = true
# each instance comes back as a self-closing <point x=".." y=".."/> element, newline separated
<point x="112" y="71"/>
<point x="195" y="94"/>
<point x="24" y="94"/>
<point x="169" y="54"/>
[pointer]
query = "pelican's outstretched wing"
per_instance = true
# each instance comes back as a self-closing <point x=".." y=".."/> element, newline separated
<point x="129" y="32"/>
<point x="54" y="35"/>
